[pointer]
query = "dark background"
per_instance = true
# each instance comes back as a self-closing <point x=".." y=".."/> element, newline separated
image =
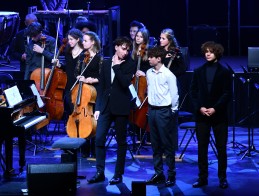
<point x="234" y="23"/>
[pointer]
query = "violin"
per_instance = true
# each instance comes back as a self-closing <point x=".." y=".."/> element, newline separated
<point x="173" y="53"/>
<point x="81" y="123"/>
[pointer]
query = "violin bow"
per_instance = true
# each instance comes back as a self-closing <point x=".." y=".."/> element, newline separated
<point x="81" y="74"/>
<point x="55" y="54"/>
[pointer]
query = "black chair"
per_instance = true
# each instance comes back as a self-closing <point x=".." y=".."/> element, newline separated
<point x="190" y="127"/>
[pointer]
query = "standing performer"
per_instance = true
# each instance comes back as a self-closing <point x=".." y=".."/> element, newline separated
<point x="40" y="46"/>
<point x="73" y="54"/>
<point x="113" y="105"/>
<point x="92" y="46"/>
<point x="163" y="105"/>
<point x="20" y="42"/>
<point x="134" y="27"/>
<point x="174" y="59"/>
<point x="140" y="56"/>
<point x="211" y="92"/>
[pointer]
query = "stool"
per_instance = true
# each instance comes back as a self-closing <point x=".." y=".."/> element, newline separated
<point x="69" y="146"/>
<point x="190" y="126"/>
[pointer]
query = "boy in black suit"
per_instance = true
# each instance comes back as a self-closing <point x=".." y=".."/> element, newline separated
<point x="113" y="105"/>
<point x="211" y="92"/>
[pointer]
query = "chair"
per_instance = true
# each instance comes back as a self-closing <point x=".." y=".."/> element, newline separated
<point x="191" y="128"/>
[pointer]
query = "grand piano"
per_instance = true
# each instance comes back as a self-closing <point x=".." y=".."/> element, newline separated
<point x="15" y="121"/>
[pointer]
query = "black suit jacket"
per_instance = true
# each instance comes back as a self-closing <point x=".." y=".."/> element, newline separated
<point x="217" y="98"/>
<point x="116" y="95"/>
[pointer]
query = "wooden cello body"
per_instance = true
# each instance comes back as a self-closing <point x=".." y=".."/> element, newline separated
<point x="81" y="123"/>
<point x="54" y="83"/>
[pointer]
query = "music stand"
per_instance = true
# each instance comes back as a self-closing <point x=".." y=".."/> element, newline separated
<point x="235" y="144"/>
<point x="250" y="147"/>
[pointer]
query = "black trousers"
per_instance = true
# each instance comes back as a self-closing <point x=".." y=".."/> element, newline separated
<point x="162" y="123"/>
<point x="220" y="131"/>
<point x="120" y="126"/>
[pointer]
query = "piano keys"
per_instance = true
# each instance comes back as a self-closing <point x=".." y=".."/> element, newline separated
<point x="15" y="121"/>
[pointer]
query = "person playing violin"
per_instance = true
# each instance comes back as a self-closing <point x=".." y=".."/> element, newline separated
<point x="92" y="47"/>
<point x="140" y="55"/>
<point x="41" y="45"/>
<point x="174" y="58"/>
<point x="113" y="105"/>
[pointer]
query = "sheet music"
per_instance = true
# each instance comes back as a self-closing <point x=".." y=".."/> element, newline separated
<point x="36" y="93"/>
<point x="13" y="96"/>
<point x="134" y="95"/>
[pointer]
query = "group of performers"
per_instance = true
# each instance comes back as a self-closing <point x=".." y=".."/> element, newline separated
<point x="135" y="61"/>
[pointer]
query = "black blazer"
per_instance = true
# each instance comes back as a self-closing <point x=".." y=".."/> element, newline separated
<point x="116" y="94"/>
<point x="217" y="98"/>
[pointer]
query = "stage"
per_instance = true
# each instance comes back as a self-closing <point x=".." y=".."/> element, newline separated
<point x="242" y="171"/>
<point x="243" y="157"/>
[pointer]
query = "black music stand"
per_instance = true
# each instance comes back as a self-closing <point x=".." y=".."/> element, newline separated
<point x="250" y="147"/>
<point x="235" y="144"/>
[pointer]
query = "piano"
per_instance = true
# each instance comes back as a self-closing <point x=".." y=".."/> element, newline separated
<point x="15" y="121"/>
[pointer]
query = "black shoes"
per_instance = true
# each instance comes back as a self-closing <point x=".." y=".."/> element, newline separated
<point x="170" y="181"/>
<point x="99" y="177"/>
<point x="115" y="180"/>
<point x="223" y="183"/>
<point x="156" y="179"/>
<point x="199" y="183"/>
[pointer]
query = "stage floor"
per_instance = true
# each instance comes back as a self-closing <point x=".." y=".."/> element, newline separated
<point x="242" y="171"/>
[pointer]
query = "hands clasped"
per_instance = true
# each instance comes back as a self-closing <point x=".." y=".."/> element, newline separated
<point x="207" y="111"/>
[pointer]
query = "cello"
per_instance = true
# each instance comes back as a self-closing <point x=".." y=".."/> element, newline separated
<point x="138" y="115"/>
<point x="81" y="123"/>
<point x="54" y="88"/>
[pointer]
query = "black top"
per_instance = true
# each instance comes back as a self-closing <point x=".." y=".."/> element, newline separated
<point x="177" y="66"/>
<point x="73" y="69"/>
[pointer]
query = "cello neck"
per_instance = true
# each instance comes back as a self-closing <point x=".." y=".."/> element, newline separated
<point x="50" y="75"/>
<point x="137" y="78"/>
<point x="42" y="76"/>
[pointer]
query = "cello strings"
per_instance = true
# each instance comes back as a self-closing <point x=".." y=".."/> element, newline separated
<point x="81" y="73"/>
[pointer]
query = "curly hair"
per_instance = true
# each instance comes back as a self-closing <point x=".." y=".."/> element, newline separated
<point x="215" y="48"/>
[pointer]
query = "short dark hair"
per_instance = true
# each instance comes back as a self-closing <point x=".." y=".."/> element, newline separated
<point x="157" y="51"/>
<point x="34" y="29"/>
<point x="119" y="41"/>
<point x="136" y="23"/>
<point x="213" y="47"/>
<point x="86" y="24"/>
